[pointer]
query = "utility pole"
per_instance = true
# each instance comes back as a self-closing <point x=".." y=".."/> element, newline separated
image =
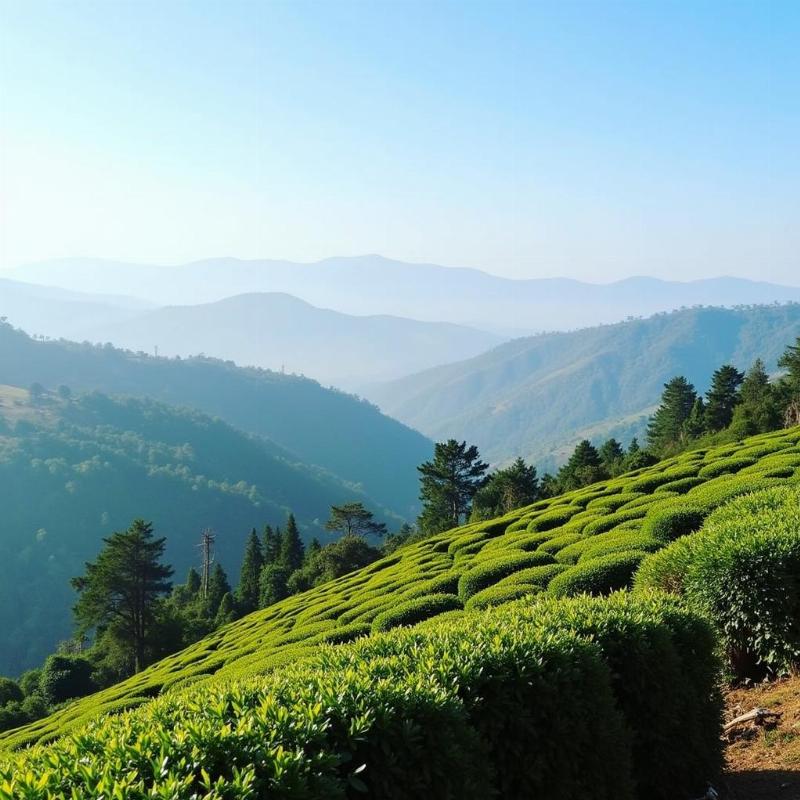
<point x="207" y="552"/>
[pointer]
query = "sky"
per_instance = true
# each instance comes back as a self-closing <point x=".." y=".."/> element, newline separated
<point x="595" y="140"/>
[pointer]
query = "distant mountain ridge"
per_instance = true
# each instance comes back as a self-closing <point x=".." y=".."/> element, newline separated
<point x="376" y="285"/>
<point x="338" y="432"/>
<point x="534" y="396"/>
<point x="279" y="331"/>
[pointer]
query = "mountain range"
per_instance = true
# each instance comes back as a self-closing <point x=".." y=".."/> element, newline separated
<point x="372" y="284"/>
<point x="536" y="396"/>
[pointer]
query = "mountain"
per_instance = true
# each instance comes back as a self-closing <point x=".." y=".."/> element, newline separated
<point x="264" y="685"/>
<point x="535" y="396"/>
<point x="49" y="311"/>
<point x="340" y="433"/>
<point x="278" y="330"/>
<point x="376" y="285"/>
<point x="75" y="469"/>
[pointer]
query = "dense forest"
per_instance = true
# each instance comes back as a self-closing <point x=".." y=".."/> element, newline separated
<point x="75" y="467"/>
<point x="324" y="427"/>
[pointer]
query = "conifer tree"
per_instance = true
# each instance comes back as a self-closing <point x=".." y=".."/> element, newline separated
<point x="722" y="397"/>
<point x="272" y="545"/>
<point x="506" y="489"/>
<point x="120" y="589"/>
<point x="790" y="361"/>
<point x="226" y="612"/>
<point x="448" y="483"/>
<point x="584" y="467"/>
<point x="292" y="549"/>
<point x="695" y="424"/>
<point x="667" y="427"/>
<point x="611" y="455"/>
<point x="352" y="519"/>
<point x="218" y="587"/>
<point x="272" y="584"/>
<point x="247" y="591"/>
<point x="758" y="410"/>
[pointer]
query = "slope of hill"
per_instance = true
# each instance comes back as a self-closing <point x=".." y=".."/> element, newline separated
<point x="534" y="396"/>
<point x="376" y="285"/>
<point x="277" y="330"/>
<point x="47" y="311"/>
<point x="72" y="471"/>
<point x="323" y="427"/>
<point x="588" y="540"/>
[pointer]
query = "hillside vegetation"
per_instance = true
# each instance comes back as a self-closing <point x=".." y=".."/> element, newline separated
<point x="535" y="397"/>
<point x="74" y="468"/>
<point x="318" y="426"/>
<point x="587" y="541"/>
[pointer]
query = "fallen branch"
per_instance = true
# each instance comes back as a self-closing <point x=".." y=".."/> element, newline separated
<point x="758" y="715"/>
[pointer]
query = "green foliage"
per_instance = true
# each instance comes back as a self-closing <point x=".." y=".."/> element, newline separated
<point x="501" y="593"/>
<point x="597" y="576"/>
<point x="292" y="549"/>
<point x="247" y="591"/>
<point x="505" y="490"/>
<point x="489" y="572"/>
<point x="667" y="427"/>
<point x="666" y="524"/>
<point x="743" y="570"/>
<point x="561" y="679"/>
<point x="416" y="610"/>
<point x="65" y="677"/>
<point x="448" y="483"/>
<point x="10" y="691"/>
<point x="353" y="519"/>
<point x="722" y="397"/>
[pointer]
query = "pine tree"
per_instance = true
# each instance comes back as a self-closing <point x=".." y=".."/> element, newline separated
<point x="758" y="410"/>
<point x="192" y="581"/>
<point x="218" y="587"/>
<point x="611" y="454"/>
<point x="352" y="519"/>
<point x="272" y="545"/>
<point x="584" y="467"/>
<point x="695" y="425"/>
<point x="506" y="489"/>
<point x="272" y="584"/>
<point x="247" y="591"/>
<point x="790" y="361"/>
<point x="120" y="589"/>
<point x="226" y="612"/>
<point x="448" y="483"/>
<point x="722" y="397"/>
<point x="667" y="426"/>
<point x="292" y="549"/>
<point x="313" y="548"/>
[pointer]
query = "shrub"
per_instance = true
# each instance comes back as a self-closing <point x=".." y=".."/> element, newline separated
<point x="9" y="691"/>
<point x="65" y="677"/>
<point x="610" y="521"/>
<point x="743" y="570"/>
<point x="486" y="573"/>
<point x="724" y="466"/>
<point x="598" y="576"/>
<point x="535" y="576"/>
<point x="413" y="611"/>
<point x="552" y="519"/>
<point x="552" y="546"/>
<point x="680" y="486"/>
<point x="620" y="542"/>
<point x="499" y="593"/>
<point x="666" y="524"/>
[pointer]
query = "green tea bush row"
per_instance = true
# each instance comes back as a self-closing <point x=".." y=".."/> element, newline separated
<point x="489" y="572"/>
<point x="598" y="576"/>
<point x="413" y="611"/>
<point x="743" y="570"/>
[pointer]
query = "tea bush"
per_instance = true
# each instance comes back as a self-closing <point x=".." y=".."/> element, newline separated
<point x="598" y="576"/>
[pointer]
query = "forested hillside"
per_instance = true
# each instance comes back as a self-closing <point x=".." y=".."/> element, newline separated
<point x="323" y="427"/>
<point x="619" y="695"/>
<point x="74" y="469"/>
<point x="534" y="397"/>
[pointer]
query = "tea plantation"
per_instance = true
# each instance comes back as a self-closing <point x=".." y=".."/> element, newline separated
<point x="475" y="702"/>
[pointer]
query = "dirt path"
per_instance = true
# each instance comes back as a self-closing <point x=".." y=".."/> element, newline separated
<point x="764" y="762"/>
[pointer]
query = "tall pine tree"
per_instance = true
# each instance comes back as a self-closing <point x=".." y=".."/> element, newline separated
<point x="447" y="485"/>
<point x="247" y="591"/>
<point x="667" y="427"/>
<point x="118" y="593"/>
<point x="722" y="397"/>
<point x="292" y="549"/>
<point x="759" y="408"/>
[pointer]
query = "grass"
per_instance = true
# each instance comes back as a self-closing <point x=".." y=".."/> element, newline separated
<point x="623" y="515"/>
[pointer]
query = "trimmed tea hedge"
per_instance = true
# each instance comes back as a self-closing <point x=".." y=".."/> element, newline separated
<point x="598" y="576"/>
<point x="414" y="611"/>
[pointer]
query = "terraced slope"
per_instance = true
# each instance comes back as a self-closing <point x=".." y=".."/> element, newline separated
<point x="589" y="540"/>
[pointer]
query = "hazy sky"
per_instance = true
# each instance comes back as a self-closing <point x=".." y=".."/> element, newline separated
<point x="593" y="139"/>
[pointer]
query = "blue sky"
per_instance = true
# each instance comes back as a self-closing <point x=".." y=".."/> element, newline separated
<point x="590" y="139"/>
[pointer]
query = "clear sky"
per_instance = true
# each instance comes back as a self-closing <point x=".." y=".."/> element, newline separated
<point x="593" y="139"/>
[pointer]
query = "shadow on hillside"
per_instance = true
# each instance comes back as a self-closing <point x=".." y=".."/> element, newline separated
<point x="767" y="784"/>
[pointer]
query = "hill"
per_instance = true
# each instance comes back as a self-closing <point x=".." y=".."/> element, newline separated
<point x="588" y="540"/>
<point x="323" y="427"/>
<point x="73" y="470"/>
<point x="375" y="285"/>
<point x="278" y="330"/>
<point x="534" y="397"/>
